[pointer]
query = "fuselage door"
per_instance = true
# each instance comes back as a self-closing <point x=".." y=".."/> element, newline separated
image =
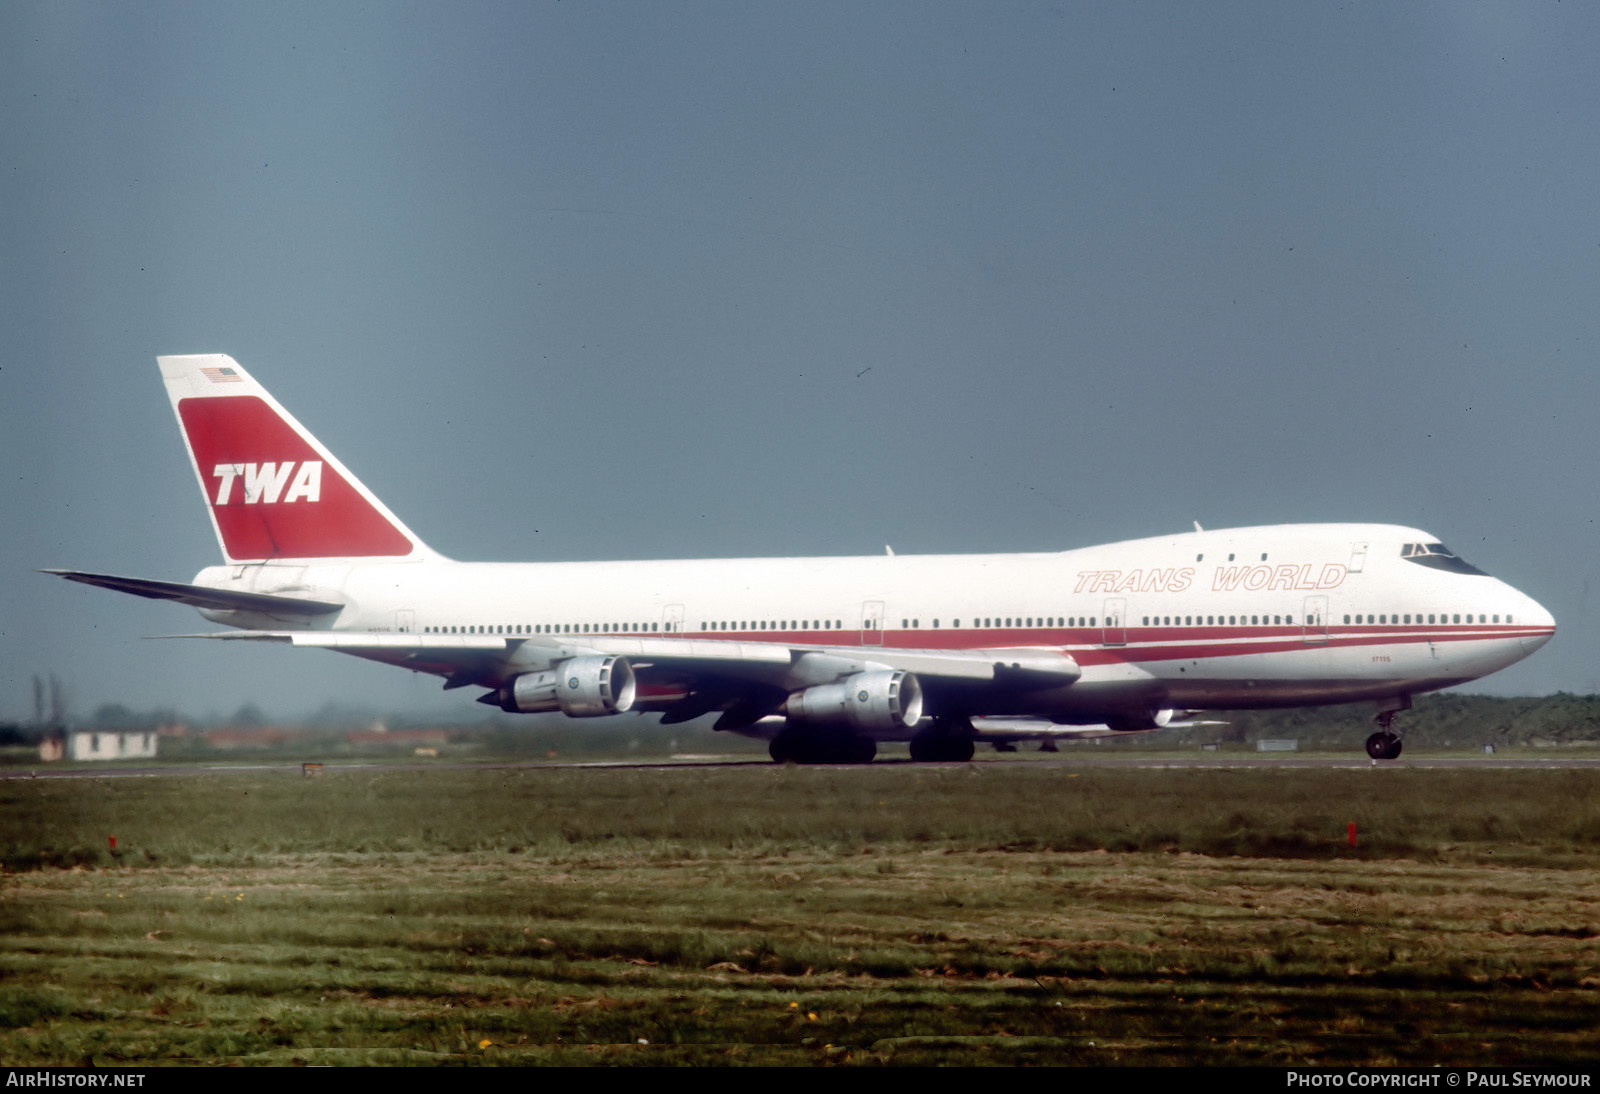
<point x="872" y="623"/>
<point x="1115" y="632"/>
<point x="1358" y="557"/>
<point x="672" y="619"/>
<point x="405" y="620"/>
<point x="1316" y="626"/>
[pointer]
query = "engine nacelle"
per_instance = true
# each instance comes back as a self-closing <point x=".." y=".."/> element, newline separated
<point x="885" y="700"/>
<point x="1133" y="723"/>
<point x="583" y="687"/>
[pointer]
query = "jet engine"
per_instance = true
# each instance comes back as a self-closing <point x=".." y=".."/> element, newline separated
<point x="1133" y="723"/>
<point x="883" y="700"/>
<point x="582" y="687"/>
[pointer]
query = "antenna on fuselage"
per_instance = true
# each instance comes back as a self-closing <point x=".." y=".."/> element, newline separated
<point x="1197" y="527"/>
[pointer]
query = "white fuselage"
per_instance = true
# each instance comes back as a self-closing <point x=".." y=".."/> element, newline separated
<point x="1267" y="616"/>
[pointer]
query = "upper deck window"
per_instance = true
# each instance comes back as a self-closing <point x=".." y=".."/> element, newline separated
<point x="1438" y="557"/>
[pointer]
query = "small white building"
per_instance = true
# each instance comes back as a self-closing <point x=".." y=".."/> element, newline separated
<point x="93" y="744"/>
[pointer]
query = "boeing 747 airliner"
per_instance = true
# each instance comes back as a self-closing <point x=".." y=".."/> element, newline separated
<point x="826" y="657"/>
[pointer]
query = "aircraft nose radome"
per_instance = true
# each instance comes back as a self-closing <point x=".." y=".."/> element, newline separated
<point x="1539" y="617"/>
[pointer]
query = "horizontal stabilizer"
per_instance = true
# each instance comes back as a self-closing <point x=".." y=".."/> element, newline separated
<point x="221" y="600"/>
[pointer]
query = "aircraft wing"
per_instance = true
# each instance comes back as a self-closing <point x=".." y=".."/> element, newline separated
<point x="672" y="671"/>
<point x="462" y="659"/>
<point x="1004" y="730"/>
<point x="199" y="596"/>
<point x="800" y="666"/>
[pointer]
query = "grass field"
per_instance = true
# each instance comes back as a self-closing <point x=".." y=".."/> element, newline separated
<point x="997" y="912"/>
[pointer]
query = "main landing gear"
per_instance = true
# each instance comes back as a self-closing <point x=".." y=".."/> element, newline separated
<point x="948" y="741"/>
<point x="822" y="746"/>
<point x="1385" y="744"/>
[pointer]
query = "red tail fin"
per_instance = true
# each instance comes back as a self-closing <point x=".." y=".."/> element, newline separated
<point x="273" y="490"/>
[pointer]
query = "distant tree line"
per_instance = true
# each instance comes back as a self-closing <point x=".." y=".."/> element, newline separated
<point x="1436" y="721"/>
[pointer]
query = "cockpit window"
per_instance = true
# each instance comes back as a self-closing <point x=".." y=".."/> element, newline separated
<point x="1437" y="556"/>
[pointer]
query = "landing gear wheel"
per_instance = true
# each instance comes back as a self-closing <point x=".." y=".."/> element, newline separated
<point x="821" y="748"/>
<point x="860" y="750"/>
<point x="1383" y="746"/>
<point x="781" y="748"/>
<point x="935" y="746"/>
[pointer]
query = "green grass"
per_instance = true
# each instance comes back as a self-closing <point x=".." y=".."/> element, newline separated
<point x="994" y="913"/>
<point x="1537" y="817"/>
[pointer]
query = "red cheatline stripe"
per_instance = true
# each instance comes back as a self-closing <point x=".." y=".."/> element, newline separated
<point x="1149" y="644"/>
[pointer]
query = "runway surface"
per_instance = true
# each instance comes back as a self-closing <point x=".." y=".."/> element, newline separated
<point x="1176" y="763"/>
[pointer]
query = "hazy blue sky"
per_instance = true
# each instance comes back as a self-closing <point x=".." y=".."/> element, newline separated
<point x="573" y="281"/>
